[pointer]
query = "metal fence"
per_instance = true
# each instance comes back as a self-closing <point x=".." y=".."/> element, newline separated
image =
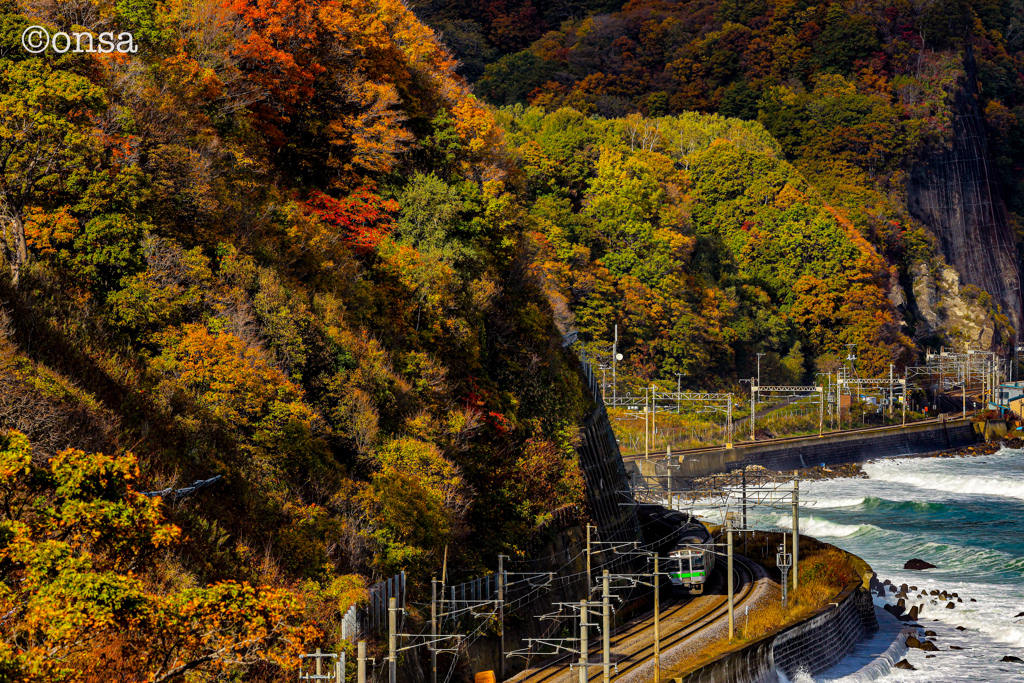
<point x="375" y="618"/>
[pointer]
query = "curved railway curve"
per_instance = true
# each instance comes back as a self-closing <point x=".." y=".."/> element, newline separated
<point x="632" y="645"/>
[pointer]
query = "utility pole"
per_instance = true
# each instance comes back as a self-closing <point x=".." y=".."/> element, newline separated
<point x="967" y="378"/>
<point x="361" y="661"/>
<point x="647" y="445"/>
<point x="796" y="525"/>
<point x="728" y="422"/>
<point x="657" y="622"/>
<point x="753" y="408"/>
<point x="679" y="391"/>
<point x="606" y="629"/>
<point x="743" y="473"/>
<point x="904" y="400"/>
<point x="584" y="644"/>
<point x="392" y="640"/>
<point x="433" y="631"/>
<point x="759" y="367"/>
<point x="890" y="389"/>
<point x="821" y="415"/>
<point x="728" y="536"/>
<point x="654" y="413"/>
<point x="615" y="358"/>
<point x="501" y="617"/>
<point x="589" y="586"/>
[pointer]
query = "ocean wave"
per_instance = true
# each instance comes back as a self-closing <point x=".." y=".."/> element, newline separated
<point x="817" y="526"/>
<point x="989" y="486"/>
<point x="871" y="502"/>
<point x="835" y="503"/>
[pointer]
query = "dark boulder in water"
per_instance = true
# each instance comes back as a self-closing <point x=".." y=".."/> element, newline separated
<point x="904" y="664"/>
<point x="1011" y="658"/>
<point x="893" y="610"/>
<point x="1019" y="614"/>
<point x="918" y="564"/>
<point x="950" y="605"/>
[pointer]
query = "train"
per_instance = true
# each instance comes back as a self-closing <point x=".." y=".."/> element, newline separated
<point x="693" y="560"/>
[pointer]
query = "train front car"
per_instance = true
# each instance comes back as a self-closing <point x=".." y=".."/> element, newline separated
<point x="692" y="562"/>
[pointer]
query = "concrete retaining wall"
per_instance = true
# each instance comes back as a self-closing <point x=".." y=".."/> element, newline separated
<point x="814" y="645"/>
<point x="831" y="449"/>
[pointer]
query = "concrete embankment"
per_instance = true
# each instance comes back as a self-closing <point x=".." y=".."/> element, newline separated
<point x="813" y="645"/>
<point x="830" y="449"/>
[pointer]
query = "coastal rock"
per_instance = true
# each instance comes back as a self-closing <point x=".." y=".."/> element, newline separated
<point x="903" y="588"/>
<point x="904" y="664"/>
<point x="927" y="645"/>
<point x="1019" y="614"/>
<point x="934" y="592"/>
<point x="918" y="565"/>
<point x="960" y="628"/>
<point x="950" y="605"/>
<point x="930" y="633"/>
<point x="955" y="647"/>
<point x="893" y="610"/>
<point x="1011" y="658"/>
<point x="973" y="600"/>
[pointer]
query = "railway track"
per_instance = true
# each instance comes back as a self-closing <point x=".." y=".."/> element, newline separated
<point x="747" y="444"/>
<point x="632" y="646"/>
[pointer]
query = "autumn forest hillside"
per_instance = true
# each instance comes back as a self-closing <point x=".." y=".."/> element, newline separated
<point x="323" y="258"/>
<point x="883" y="108"/>
<point x="281" y="245"/>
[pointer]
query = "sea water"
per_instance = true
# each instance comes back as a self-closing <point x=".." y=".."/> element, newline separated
<point x="964" y="515"/>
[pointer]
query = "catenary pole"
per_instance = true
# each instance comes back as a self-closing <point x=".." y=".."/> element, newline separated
<point x="584" y="643"/>
<point x="606" y="629"/>
<point x="796" y="526"/>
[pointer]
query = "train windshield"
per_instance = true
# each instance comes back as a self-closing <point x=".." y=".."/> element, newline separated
<point x="690" y="560"/>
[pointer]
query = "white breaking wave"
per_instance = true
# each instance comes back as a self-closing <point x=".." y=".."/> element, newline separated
<point x="816" y="526"/>
<point x="988" y="486"/>
<point x="836" y="503"/>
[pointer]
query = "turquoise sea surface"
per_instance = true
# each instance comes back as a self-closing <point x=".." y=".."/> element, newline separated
<point x="963" y="514"/>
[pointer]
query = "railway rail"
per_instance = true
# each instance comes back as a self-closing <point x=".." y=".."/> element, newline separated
<point x="632" y="645"/>
<point x="747" y="444"/>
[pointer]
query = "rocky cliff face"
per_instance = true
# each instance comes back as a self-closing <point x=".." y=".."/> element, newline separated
<point x="945" y="309"/>
<point x="956" y="194"/>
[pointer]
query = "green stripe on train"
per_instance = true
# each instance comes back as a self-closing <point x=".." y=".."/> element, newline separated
<point x="687" y="576"/>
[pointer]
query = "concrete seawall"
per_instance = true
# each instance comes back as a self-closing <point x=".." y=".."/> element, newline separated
<point x="830" y="449"/>
<point x="814" y="645"/>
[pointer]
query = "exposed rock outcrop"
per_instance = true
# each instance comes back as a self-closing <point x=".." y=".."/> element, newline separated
<point x="955" y="193"/>
<point x="946" y="309"/>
